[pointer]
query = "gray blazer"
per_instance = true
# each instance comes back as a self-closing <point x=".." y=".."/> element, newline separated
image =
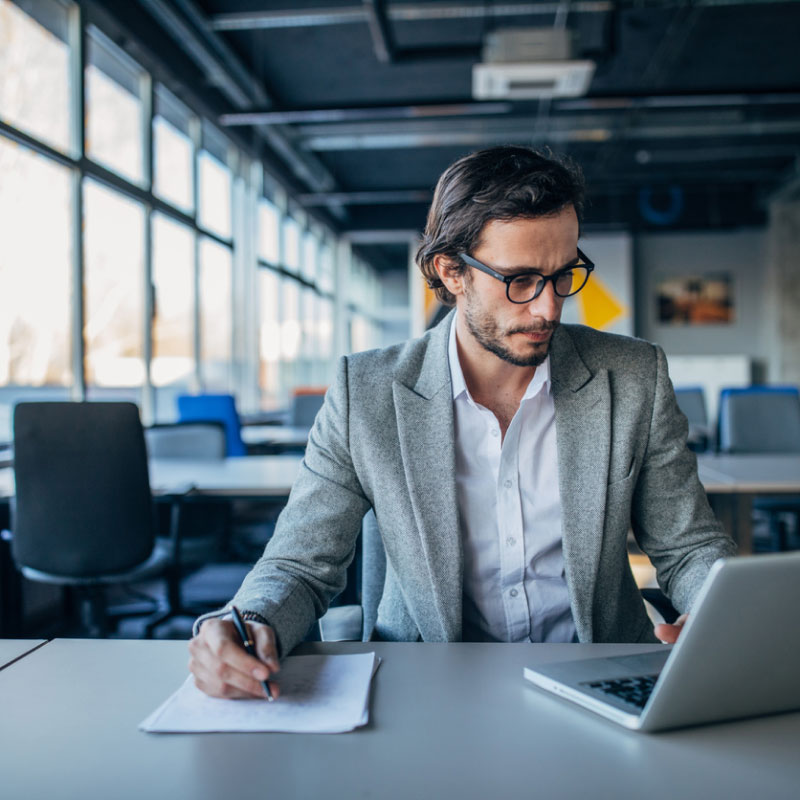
<point x="384" y="438"/>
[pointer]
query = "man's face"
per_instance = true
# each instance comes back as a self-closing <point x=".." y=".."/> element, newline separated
<point x="518" y="334"/>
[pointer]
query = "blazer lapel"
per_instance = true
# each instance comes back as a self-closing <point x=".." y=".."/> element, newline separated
<point x="425" y="428"/>
<point x="582" y="403"/>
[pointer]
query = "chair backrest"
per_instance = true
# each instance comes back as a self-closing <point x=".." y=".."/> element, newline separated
<point x="759" y="419"/>
<point x="692" y="402"/>
<point x="195" y="440"/>
<point x="221" y="407"/>
<point x="83" y="505"/>
<point x="373" y="571"/>
<point x="304" y="409"/>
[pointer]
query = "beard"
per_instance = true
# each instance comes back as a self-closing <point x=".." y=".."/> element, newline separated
<point x="491" y="337"/>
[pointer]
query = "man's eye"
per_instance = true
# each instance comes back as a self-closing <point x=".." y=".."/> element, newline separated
<point x="525" y="281"/>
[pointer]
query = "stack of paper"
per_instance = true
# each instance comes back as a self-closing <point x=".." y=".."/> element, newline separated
<point x="318" y="694"/>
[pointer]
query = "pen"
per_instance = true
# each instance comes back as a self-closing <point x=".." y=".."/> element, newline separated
<point x="248" y="644"/>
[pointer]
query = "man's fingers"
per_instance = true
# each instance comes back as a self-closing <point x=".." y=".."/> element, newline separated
<point x="266" y="646"/>
<point x="222" y="667"/>
<point x="220" y="679"/>
<point x="225" y="645"/>
<point x="669" y="633"/>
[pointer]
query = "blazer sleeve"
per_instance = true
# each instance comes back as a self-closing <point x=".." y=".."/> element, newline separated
<point x="304" y="564"/>
<point x="671" y="518"/>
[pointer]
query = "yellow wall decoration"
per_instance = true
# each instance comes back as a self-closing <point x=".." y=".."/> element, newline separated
<point x="598" y="306"/>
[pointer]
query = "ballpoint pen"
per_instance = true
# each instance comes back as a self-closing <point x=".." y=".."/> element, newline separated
<point x="248" y="645"/>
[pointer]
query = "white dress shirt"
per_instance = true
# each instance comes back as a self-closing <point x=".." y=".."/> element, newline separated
<point x="510" y="511"/>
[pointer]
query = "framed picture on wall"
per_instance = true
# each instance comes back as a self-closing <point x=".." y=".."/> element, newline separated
<point x="695" y="299"/>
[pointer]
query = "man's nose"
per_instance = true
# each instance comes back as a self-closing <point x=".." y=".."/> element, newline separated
<point x="547" y="305"/>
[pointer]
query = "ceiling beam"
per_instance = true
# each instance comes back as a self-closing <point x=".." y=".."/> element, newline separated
<point x="460" y="136"/>
<point x="410" y="12"/>
<point x="369" y="198"/>
<point x="333" y="115"/>
<point x="380" y="30"/>
<point x="317" y="116"/>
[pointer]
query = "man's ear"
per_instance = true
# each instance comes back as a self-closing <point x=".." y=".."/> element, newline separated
<point x="449" y="273"/>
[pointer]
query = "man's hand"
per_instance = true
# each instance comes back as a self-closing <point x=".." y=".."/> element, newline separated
<point x="669" y="633"/>
<point x="222" y="668"/>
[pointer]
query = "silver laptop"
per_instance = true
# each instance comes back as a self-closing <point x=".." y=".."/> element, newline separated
<point x="737" y="656"/>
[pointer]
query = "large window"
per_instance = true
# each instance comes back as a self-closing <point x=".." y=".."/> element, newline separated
<point x="114" y="113"/>
<point x="291" y="244"/>
<point x="34" y="70"/>
<point x="291" y="333"/>
<point x="269" y="337"/>
<point x="173" y="152"/>
<point x="216" y="330"/>
<point x="113" y="288"/>
<point x="269" y="221"/>
<point x="173" y="303"/>
<point x="35" y="269"/>
<point x="214" y="213"/>
<point x="117" y="274"/>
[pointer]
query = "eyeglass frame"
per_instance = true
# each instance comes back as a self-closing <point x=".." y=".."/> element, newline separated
<point x="507" y="279"/>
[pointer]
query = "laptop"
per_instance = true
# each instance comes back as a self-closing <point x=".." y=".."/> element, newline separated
<point x="737" y="656"/>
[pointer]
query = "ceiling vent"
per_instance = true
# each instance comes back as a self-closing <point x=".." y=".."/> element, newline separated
<point x="528" y="64"/>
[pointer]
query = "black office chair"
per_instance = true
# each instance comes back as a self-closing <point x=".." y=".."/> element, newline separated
<point x="83" y="513"/>
<point x="356" y="622"/>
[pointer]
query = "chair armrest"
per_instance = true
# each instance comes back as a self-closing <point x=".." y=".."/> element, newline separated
<point x="342" y="624"/>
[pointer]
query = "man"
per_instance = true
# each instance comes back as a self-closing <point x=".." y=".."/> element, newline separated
<point x="506" y="457"/>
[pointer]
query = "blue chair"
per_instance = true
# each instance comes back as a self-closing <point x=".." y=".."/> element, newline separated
<point x="219" y="407"/>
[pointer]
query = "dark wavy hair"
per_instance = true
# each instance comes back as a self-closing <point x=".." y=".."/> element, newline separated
<point x="506" y="182"/>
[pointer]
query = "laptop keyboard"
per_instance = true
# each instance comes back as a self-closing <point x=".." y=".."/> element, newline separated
<point x="635" y="691"/>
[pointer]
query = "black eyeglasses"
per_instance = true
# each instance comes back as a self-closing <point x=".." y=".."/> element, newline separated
<point x="526" y="286"/>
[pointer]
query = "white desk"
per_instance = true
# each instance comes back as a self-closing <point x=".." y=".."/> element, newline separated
<point x="732" y="481"/>
<point x="275" y="436"/>
<point x="11" y="649"/>
<point x="453" y="720"/>
<point x="247" y="476"/>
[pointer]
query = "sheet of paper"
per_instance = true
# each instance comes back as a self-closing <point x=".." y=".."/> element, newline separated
<point x="319" y="694"/>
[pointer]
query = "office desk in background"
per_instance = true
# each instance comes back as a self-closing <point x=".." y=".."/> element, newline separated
<point x="275" y="436"/>
<point x="732" y="481"/>
<point x="446" y="720"/>
<point x="245" y="476"/>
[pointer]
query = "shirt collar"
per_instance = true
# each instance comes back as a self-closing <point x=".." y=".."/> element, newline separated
<point x="540" y="380"/>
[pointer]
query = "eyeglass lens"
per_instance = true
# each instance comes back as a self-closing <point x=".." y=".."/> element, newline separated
<point x="567" y="282"/>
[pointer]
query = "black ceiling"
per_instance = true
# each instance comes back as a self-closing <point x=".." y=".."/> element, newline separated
<point x="692" y="119"/>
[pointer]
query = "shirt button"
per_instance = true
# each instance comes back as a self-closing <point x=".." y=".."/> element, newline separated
<point x="513" y="592"/>
<point x="508" y="484"/>
<point x="511" y="541"/>
<point x="495" y="432"/>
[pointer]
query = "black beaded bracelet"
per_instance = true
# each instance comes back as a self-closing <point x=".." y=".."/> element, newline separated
<point x="254" y="617"/>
